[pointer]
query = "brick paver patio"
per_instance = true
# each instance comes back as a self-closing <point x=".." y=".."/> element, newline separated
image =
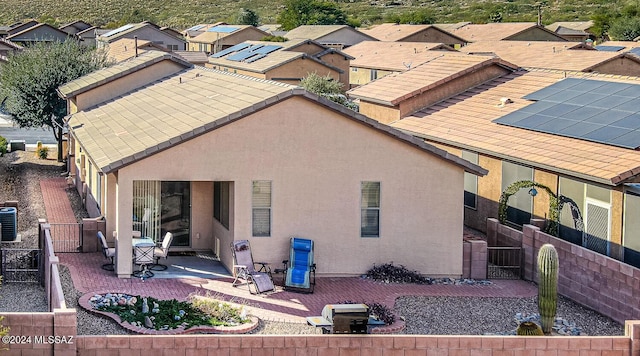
<point x="282" y="305"/>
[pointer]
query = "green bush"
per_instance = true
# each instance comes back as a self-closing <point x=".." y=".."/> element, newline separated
<point x="42" y="152"/>
<point x="3" y="146"/>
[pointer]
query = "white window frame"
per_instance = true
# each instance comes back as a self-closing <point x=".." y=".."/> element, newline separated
<point x="369" y="208"/>
<point x="254" y="207"/>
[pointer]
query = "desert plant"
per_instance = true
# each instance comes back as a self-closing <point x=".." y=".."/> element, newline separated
<point x="547" y="286"/>
<point x="396" y="274"/>
<point x="3" y="146"/>
<point x="529" y="328"/>
<point x="42" y="152"/>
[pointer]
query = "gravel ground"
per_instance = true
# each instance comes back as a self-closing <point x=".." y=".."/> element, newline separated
<point x="19" y="180"/>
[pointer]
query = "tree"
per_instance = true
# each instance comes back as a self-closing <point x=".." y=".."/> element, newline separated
<point x="625" y="29"/>
<point x="419" y="17"/>
<point x="328" y="88"/>
<point x="30" y="78"/>
<point x="248" y="17"/>
<point x="314" y="12"/>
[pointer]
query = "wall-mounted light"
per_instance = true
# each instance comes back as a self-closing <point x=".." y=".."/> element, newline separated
<point x="533" y="192"/>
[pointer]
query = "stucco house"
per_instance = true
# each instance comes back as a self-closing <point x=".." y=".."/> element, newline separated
<point x="575" y="31"/>
<point x="126" y="48"/>
<point x="413" y="33"/>
<point x="561" y="56"/>
<point x="7" y="47"/>
<point x="41" y="32"/>
<point x="506" y="31"/>
<point x="573" y="132"/>
<point x="288" y="62"/>
<point x="14" y="28"/>
<point x="376" y="59"/>
<point x="142" y="31"/>
<point x="336" y="36"/>
<point x="213" y="38"/>
<point x="219" y="157"/>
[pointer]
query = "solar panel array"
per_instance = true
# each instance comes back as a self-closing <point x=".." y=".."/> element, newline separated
<point x="223" y="29"/>
<point x="591" y="110"/>
<point x="195" y="28"/>
<point x="609" y="48"/>
<point x="246" y="52"/>
<point x="635" y="51"/>
<point x="118" y="30"/>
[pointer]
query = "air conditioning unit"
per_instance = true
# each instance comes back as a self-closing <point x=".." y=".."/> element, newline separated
<point x="9" y="221"/>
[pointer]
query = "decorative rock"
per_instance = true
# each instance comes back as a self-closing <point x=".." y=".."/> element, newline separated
<point x="132" y="301"/>
<point x="122" y="301"/>
<point x="148" y="323"/>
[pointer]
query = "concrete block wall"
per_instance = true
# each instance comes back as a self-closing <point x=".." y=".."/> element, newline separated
<point x="596" y="281"/>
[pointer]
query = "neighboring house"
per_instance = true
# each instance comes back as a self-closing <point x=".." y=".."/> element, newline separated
<point x="575" y="133"/>
<point x="413" y="33"/>
<point x="75" y="27"/>
<point x="397" y="95"/>
<point x="7" y="47"/>
<point x="172" y="32"/>
<point x="143" y="31"/>
<point x="575" y="31"/>
<point x="88" y="36"/>
<point x="126" y="48"/>
<point x="193" y="57"/>
<point x="287" y="62"/>
<point x="273" y="29"/>
<point x="39" y="33"/>
<point x="505" y="31"/>
<point x="376" y="59"/>
<point x="14" y="28"/>
<point x="336" y="36"/>
<point x="560" y="56"/>
<point x="220" y="157"/>
<point x="217" y="37"/>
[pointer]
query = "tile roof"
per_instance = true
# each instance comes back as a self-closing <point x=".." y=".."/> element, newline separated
<point x="450" y="26"/>
<point x="119" y="70"/>
<point x="17" y="36"/>
<point x="195" y="57"/>
<point x="398" y="32"/>
<point x="265" y="64"/>
<point x="465" y="121"/>
<point x="153" y="118"/>
<point x="494" y="31"/>
<point x="395" y="56"/>
<point x="394" y="88"/>
<point x="543" y="54"/>
<point x="213" y="36"/>
<point x="125" y="48"/>
<point x="574" y="25"/>
<point x="315" y="32"/>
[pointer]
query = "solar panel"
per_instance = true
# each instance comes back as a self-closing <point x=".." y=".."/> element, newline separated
<point x="223" y="29"/>
<point x="195" y="28"/>
<point x="268" y="49"/>
<point x="255" y="58"/>
<point x="609" y="48"/>
<point x="242" y="55"/>
<point x="118" y="30"/>
<point x="236" y="48"/>
<point x="635" y="51"/>
<point x="592" y="110"/>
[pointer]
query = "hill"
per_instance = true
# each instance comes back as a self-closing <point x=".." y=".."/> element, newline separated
<point x="185" y="13"/>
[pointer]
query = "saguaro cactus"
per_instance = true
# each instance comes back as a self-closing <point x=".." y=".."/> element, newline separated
<point x="547" y="286"/>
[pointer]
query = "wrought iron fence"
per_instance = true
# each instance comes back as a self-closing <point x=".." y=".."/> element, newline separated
<point x="23" y="265"/>
<point x="66" y="237"/>
<point x="504" y="262"/>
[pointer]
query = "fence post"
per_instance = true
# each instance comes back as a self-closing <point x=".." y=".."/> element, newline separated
<point x="529" y="251"/>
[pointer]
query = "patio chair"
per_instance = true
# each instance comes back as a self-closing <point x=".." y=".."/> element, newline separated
<point x="299" y="269"/>
<point x="245" y="269"/>
<point x="143" y="256"/>
<point x="162" y="251"/>
<point x="108" y="252"/>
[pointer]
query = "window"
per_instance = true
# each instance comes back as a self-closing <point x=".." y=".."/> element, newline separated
<point x="370" y="209"/>
<point x="261" y="206"/>
<point x="354" y="69"/>
<point x="99" y="189"/>
<point x="374" y="74"/>
<point x="171" y="47"/>
<point x="470" y="182"/>
<point x="221" y="202"/>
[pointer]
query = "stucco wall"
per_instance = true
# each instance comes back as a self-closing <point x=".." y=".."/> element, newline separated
<point x="339" y="61"/>
<point x="384" y="114"/>
<point x="124" y="85"/>
<point x="300" y="68"/>
<point x="541" y="201"/>
<point x="363" y="75"/>
<point x="316" y="160"/>
<point x="619" y="66"/>
<point x="151" y="34"/>
<point x="535" y="34"/>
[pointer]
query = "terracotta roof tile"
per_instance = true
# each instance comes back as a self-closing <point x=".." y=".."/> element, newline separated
<point x="393" y="31"/>
<point x="451" y="122"/>
<point x="492" y="31"/>
<point x="395" y="56"/>
<point x="443" y="67"/>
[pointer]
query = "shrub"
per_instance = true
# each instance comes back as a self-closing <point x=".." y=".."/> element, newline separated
<point x="389" y="273"/>
<point x="3" y="146"/>
<point x="42" y="152"/>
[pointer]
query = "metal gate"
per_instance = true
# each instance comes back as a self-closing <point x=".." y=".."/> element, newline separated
<point x="66" y="237"/>
<point x="504" y="262"/>
<point x="22" y="265"/>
